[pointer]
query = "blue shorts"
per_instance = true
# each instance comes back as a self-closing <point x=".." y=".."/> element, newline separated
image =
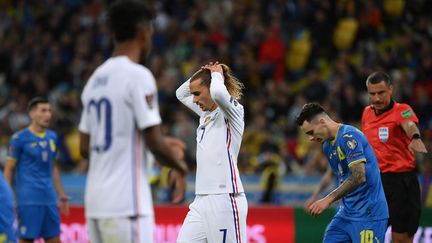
<point x="7" y="233"/>
<point x="38" y="221"/>
<point x="344" y="230"/>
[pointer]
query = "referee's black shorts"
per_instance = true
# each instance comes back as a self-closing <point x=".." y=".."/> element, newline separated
<point x="402" y="192"/>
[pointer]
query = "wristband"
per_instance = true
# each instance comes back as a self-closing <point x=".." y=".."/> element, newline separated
<point x="415" y="136"/>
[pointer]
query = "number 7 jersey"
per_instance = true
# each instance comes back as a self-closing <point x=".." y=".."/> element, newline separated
<point x="119" y="101"/>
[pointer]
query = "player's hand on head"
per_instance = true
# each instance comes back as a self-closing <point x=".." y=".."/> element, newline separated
<point x="213" y="67"/>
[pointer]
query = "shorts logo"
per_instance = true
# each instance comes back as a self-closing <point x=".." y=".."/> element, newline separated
<point x="352" y="144"/>
<point x="383" y="134"/>
<point x="23" y="230"/>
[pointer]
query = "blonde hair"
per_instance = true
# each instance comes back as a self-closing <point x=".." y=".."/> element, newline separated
<point x="233" y="84"/>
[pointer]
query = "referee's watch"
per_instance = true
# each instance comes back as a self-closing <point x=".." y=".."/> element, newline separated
<point x="415" y="136"/>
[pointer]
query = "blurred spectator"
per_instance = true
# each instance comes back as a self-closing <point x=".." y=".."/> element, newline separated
<point x="287" y="53"/>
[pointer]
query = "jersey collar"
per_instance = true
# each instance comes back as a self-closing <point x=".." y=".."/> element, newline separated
<point x="389" y="107"/>
<point x="332" y="142"/>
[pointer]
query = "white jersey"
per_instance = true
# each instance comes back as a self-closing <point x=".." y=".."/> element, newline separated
<point x="219" y="137"/>
<point x="119" y="101"/>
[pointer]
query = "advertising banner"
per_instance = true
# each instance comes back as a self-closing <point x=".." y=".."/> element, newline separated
<point x="264" y="224"/>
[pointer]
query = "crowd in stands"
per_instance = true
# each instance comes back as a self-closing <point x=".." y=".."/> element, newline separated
<point x="287" y="53"/>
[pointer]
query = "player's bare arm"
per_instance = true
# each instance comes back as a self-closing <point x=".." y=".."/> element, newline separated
<point x="413" y="132"/>
<point x="63" y="198"/>
<point x="9" y="170"/>
<point x="325" y="181"/>
<point x="158" y="146"/>
<point x="84" y="145"/>
<point x="357" y="177"/>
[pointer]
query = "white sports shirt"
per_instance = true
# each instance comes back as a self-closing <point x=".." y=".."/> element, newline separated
<point x="119" y="100"/>
<point x="219" y="137"/>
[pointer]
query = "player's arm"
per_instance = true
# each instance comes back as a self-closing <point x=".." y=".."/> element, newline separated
<point x="64" y="205"/>
<point x="9" y="169"/>
<point x="13" y="153"/>
<point x="157" y="144"/>
<point x="412" y="131"/>
<point x="324" y="183"/>
<point x="155" y="141"/>
<point x="184" y="95"/>
<point x="230" y="107"/>
<point x="84" y="145"/>
<point x="356" y="179"/>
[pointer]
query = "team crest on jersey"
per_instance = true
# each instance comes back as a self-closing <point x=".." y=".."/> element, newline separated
<point x="383" y="134"/>
<point x="207" y="119"/>
<point x="352" y="144"/>
<point x="43" y="144"/>
<point x="149" y="99"/>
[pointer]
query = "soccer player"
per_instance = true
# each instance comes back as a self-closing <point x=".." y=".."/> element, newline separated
<point x="32" y="166"/>
<point x="119" y="127"/>
<point x="7" y="216"/>
<point x="391" y="129"/>
<point x="218" y="213"/>
<point x="363" y="214"/>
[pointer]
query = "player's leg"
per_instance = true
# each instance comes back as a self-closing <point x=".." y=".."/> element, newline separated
<point x="50" y="229"/>
<point x="142" y="229"/>
<point x="6" y="223"/>
<point x="411" y="210"/>
<point x="30" y="220"/>
<point x="403" y="199"/>
<point x="225" y="218"/>
<point x="192" y="230"/>
<point x="337" y="231"/>
<point x="125" y="229"/>
<point x="367" y="231"/>
<point x="94" y="234"/>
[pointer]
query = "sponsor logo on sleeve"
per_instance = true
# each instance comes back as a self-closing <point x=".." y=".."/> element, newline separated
<point x="355" y="155"/>
<point x="383" y="134"/>
<point x="407" y="113"/>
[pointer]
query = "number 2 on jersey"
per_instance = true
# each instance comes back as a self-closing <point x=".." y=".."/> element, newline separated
<point x="366" y="236"/>
<point x="102" y="105"/>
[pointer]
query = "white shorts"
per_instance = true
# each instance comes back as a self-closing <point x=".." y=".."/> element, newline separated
<point x="215" y="218"/>
<point x="124" y="229"/>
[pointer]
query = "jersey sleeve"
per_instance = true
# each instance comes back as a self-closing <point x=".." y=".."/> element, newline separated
<point x="14" y="148"/>
<point x="231" y="108"/>
<point x="144" y="101"/>
<point x="364" y="117"/>
<point x="84" y="123"/>
<point x="351" y="146"/>
<point x="184" y="96"/>
<point x="405" y="113"/>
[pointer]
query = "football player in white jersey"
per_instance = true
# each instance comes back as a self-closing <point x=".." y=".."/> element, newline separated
<point x="218" y="213"/>
<point x="119" y="127"/>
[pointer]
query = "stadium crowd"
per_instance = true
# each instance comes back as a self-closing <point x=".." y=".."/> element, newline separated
<point x="287" y="53"/>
